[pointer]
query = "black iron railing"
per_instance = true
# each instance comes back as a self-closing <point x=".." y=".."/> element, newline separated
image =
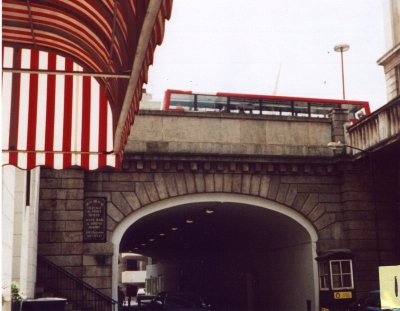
<point x="64" y="284"/>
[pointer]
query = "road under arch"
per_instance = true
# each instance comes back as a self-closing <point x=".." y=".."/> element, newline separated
<point x="238" y="252"/>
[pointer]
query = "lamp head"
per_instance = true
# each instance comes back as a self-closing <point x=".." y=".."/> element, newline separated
<point x="343" y="47"/>
<point x="334" y="145"/>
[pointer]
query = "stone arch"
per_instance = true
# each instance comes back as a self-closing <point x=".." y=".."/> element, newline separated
<point x="316" y="197"/>
<point x="247" y="199"/>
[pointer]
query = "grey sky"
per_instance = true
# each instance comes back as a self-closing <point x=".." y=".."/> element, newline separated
<point x="239" y="46"/>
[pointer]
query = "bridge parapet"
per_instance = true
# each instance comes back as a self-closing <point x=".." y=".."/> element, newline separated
<point x="229" y="134"/>
<point x="377" y="130"/>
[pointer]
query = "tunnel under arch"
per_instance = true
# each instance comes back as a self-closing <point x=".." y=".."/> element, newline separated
<point x="280" y="259"/>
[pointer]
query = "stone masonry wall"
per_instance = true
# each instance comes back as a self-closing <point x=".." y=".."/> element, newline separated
<point x="335" y="198"/>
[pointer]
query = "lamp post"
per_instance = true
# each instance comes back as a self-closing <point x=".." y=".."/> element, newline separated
<point x="335" y="145"/>
<point x="342" y="48"/>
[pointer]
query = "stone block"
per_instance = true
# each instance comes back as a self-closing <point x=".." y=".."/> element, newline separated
<point x="365" y="244"/>
<point x="67" y="215"/>
<point x="318" y="188"/>
<point x="119" y="201"/>
<point x="274" y="187"/>
<point x="45" y="236"/>
<point x="359" y="225"/>
<point x="325" y="220"/>
<point x="356" y="196"/>
<point x="329" y="198"/>
<point x="199" y="182"/>
<point x="66" y="260"/>
<point x="48" y="204"/>
<point x="327" y="245"/>
<point x="358" y="215"/>
<point x="72" y="183"/>
<point x="74" y="205"/>
<point x="114" y="212"/>
<point x="255" y="185"/>
<point x="71" y="248"/>
<point x="132" y="200"/>
<point x="299" y="200"/>
<point x="67" y="173"/>
<point x="98" y="282"/>
<point x="317" y="212"/>
<point x="95" y="271"/>
<point x="170" y="184"/>
<point x="310" y="203"/>
<point x="142" y="194"/>
<point x="209" y="182"/>
<point x="98" y="248"/>
<point x="93" y="186"/>
<point x="71" y="225"/>
<point x="106" y="291"/>
<point x="46" y="249"/>
<point x="48" y="194"/>
<point x="90" y="260"/>
<point x="219" y="182"/>
<point x="237" y="183"/>
<point x="45" y="215"/>
<point x="50" y="183"/>
<point x="76" y="271"/>
<point x="246" y="183"/>
<point x="299" y="179"/>
<point x="60" y="225"/>
<point x="227" y="183"/>
<point x="190" y="183"/>
<point x="332" y="207"/>
<point x="152" y="191"/>
<point x="282" y="192"/>
<point x="70" y="194"/>
<point x="98" y="175"/>
<point x="360" y="234"/>
<point x="111" y="223"/>
<point x="291" y="195"/>
<point x="75" y="236"/>
<point x="358" y="206"/>
<point x="46" y="225"/>
<point x="119" y="186"/>
<point x="135" y="177"/>
<point x="264" y="185"/>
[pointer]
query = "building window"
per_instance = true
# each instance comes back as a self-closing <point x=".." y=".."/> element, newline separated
<point x="397" y="79"/>
<point x="341" y="274"/>
<point x="324" y="276"/>
<point x="131" y="265"/>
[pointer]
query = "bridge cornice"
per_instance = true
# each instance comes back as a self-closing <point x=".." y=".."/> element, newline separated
<point x="230" y="164"/>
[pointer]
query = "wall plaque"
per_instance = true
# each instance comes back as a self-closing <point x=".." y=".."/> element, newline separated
<point x="95" y="220"/>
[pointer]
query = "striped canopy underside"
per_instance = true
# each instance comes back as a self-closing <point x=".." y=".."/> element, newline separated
<point x="99" y="36"/>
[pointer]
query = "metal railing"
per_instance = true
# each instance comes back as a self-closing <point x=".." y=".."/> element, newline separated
<point x="64" y="284"/>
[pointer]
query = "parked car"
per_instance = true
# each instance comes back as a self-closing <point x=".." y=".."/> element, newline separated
<point x="177" y="301"/>
<point x="370" y="302"/>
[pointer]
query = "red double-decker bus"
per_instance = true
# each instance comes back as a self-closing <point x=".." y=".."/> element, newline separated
<point x="177" y="100"/>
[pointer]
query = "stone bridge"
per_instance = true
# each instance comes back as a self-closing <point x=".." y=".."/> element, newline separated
<point x="301" y="198"/>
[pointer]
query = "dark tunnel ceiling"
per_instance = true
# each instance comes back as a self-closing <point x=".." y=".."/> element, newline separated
<point x="230" y="227"/>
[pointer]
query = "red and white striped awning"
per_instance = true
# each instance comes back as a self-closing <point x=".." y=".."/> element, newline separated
<point x="44" y="120"/>
<point x="73" y="72"/>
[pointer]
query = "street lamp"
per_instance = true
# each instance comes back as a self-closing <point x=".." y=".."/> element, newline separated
<point x="335" y="145"/>
<point x="342" y="48"/>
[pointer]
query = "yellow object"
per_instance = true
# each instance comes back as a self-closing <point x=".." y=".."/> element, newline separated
<point x="389" y="283"/>
<point x="342" y="295"/>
